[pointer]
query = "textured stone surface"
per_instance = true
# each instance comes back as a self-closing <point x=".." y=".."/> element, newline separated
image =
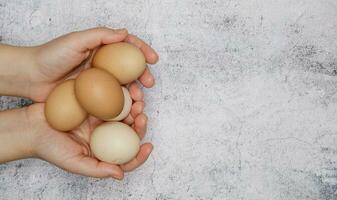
<point x="245" y="105"/>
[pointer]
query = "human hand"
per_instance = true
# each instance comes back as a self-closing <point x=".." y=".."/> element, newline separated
<point x="50" y="64"/>
<point x="67" y="55"/>
<point x="71" y="152"/>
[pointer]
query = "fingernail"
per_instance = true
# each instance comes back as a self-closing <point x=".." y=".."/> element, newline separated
<point x="118" y="176"/>
<point x="149" y="150"/>
<point x="150" y="79"/>
<point x="114" y="173"/>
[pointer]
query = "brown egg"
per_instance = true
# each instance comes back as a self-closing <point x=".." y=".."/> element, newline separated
<point x="99" y="93"/>
<point x="62" y="110"/>
<point x="125" y="61"/>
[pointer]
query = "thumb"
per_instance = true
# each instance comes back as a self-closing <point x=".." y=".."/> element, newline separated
<point x="92" y="38"/>
<point x="89" y="166"/>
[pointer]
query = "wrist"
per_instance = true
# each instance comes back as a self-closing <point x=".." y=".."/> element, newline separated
<point x="17" y="140"/>
<point x="28" y="137"/>
<point x="16" y="66"/>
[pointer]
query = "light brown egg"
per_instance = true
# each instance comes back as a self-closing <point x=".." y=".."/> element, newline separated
<point x="62" y="110"/>
<point x="114" y="142"/>
<point x="99" y="93"/>
<point x="125" y="61"/>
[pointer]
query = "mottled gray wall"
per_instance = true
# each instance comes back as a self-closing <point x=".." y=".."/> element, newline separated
<point x="245" y="105"/>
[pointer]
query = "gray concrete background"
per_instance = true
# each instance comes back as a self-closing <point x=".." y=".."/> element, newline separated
<point x="245" y="105"/>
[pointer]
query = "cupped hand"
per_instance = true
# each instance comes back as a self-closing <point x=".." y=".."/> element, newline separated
<point x="71" y="151"/>
<point x="67" y="55"/>
<point x="64" y="58"/>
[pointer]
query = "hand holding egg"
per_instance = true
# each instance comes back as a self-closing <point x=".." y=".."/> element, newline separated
<point x="98" y="91"/>
<point x="64" y="58"/>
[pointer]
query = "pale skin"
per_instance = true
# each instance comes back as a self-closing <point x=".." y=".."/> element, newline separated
<point x="33" y="72"/>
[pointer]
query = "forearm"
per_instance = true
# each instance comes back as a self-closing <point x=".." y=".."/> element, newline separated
<point x="15" y="68"/>
<point x="16" y="138"/>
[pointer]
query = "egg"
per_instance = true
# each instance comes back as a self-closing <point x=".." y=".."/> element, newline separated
<point x="125" y="61"/>
<point x="126" y="108"/>
<point x="62" y="110"/>
<point x="114" y="142"/>
<point x="99" y="93"/>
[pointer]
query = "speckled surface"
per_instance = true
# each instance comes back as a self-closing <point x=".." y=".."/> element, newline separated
<point x="245" y="105"/>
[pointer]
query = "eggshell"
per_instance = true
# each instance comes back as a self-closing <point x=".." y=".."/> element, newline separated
<point x="125" y="61"/>
<point x="114" y="142"/>
<point x="62" y="110"/>
<point x="99" y="93"/>
<point x="126" y="108"/>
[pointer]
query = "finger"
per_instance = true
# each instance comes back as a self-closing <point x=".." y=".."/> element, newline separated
<point x="89" y="166"/>
<point x="147" y="78"/>
<point x="135" y="92"/>
<point x="85" y="129"/>
<point x="94" y="122"/>
<point x="142" y="156"/>
<point x="137" y="108"/>
<point x="140" y="125"/>
<point x="91" y="38"/>
<point x="150" y="55"/>
<point x="128" y="120"/>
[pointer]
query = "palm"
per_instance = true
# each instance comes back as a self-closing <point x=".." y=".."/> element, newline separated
<point x="58" y="57"/>
<point x="51" y="73"/>
<point x="61" y="148"/>
<point x="71" y="151"/>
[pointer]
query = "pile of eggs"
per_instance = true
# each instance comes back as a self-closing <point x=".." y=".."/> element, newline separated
<point x="99" y="91"/>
